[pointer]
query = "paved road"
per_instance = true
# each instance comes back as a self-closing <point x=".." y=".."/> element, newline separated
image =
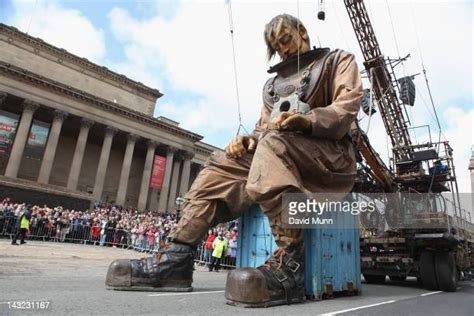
<point x="72" y="277"/>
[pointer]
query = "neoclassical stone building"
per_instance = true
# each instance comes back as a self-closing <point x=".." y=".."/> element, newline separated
<point x="72" y="132"/>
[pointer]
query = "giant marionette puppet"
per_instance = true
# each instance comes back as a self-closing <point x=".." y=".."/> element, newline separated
<point x="300" y="144"/>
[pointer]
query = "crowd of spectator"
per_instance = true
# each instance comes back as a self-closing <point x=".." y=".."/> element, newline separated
<point x="109" y="225"/>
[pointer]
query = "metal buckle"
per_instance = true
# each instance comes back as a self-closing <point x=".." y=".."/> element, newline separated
<point x="278" y="273"/>
<point x="292" y="261"/>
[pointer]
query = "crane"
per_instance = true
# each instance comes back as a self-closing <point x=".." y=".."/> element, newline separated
<point x="410" y="161"/>
<point x="430" y="243"/>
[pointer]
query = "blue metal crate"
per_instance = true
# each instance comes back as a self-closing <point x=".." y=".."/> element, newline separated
<point x="255" y="243"/>
<point x="332" y="254"/>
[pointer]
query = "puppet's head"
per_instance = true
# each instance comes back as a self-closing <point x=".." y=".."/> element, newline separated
<point x="286" y="36"/>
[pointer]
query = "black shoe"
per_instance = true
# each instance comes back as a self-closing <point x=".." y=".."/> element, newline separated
<point x="15" y="244"/>
<point x="170" y="270"/>
<point x="277" y="282"/>
<point x="22" y="242"/>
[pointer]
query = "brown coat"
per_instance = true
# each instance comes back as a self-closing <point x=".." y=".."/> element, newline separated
<point x="283" y="161"/>
<point x="324" y="160"/>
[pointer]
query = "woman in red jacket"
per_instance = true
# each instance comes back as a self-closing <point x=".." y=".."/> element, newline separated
<point x="95" y="231"/>
<point x="208" y="247"/>
<point x="151" y="237"/>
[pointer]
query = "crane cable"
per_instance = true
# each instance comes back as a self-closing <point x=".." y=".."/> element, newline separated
<point x="348" y="44"/>
<point x="31" y="17"/>
<point x="231" y="29"/>
<point x="429" y="92"/>
<point x="410" y="115"/>
<point x="299" y="44"/>
<point x="424" y="69"/>
<point x="426" y="79"/>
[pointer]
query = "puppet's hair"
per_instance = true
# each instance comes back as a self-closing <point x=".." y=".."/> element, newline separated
<point x="272" y="26"/>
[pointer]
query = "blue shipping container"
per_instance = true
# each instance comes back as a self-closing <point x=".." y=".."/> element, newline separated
<point x="332" y="255"/>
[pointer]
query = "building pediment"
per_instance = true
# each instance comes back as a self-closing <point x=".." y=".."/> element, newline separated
<point x="63" y="55"/>
<point x="63" y="89"/>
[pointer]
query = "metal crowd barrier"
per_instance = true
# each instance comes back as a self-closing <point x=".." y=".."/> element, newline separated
<point x="203" y="257"/>
<point x="7" y="225"/>
<point x="83" y="234"/>
<point x="71" y="232"/>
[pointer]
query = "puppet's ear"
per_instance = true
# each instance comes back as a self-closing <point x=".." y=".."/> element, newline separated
<point x="303" y="33"/>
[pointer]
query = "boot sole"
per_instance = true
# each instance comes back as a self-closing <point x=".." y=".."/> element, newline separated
<point x="295" y="300"/>
<point x="152" y="289"/>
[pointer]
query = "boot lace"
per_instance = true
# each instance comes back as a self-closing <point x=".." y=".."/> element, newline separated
<point x="162" y="251"/>
<point x="276" y="259"/>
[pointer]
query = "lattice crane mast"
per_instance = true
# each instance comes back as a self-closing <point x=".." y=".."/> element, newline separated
<point x="383" y="81"/>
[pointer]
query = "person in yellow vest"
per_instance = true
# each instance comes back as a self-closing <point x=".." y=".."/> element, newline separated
<point x="22" y="225"/>
<point x="220" y="246"/>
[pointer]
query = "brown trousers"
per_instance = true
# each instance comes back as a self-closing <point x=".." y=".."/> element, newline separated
<point x="283" y="162"/>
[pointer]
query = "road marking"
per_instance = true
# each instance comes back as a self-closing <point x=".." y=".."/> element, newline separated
<point x="431" y="293"/>
<point x="357" y="308"/>
<point x="186" y="293"/>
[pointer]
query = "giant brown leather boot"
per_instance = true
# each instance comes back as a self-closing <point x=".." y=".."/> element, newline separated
<point x="170" y="270"/>
<point x="277" y="282"/>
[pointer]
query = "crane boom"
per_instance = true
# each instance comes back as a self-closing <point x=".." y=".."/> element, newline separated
<point x="383" y="80"/>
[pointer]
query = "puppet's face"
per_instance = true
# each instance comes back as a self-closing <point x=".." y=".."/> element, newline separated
<point x="287" y="39"/>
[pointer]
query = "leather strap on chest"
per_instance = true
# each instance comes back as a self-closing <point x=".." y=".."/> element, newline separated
<point x="284" y="85"/>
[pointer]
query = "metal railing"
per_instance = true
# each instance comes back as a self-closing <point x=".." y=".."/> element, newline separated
<point x="203" y="257"/>
<point x="99" y="236"/>
<point x="80" y="233"/>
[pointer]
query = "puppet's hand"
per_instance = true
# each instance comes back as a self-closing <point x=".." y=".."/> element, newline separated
<point x="277" y="121"/>
<point x="239" y="146"/>
<point x="291" y="121"/>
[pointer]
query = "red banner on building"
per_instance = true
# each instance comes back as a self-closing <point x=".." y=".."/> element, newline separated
<point x="159" y="166"/>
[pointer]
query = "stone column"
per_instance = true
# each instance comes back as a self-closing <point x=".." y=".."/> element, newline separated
<point x="145" y="186"/>
<point x="174" y="182"/>
<point x="125" y="173"/>
<point x="103" y="162"/>
<point x="163" y="203"/>
<point x="186" y="173"/>
<point x="76" y="165"/>
<point x="50" y="151"/>
<point x="194" y="173"/>
<point x="153" y="203"/>
<point x="21" y="137"/>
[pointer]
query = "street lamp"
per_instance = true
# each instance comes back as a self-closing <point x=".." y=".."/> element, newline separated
<point x="179" y="201"/>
